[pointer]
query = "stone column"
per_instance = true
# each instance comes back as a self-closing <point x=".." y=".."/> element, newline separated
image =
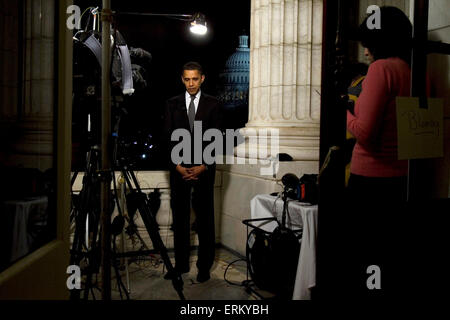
<point x="35" y="144"/>
<point x="285" y="74"/>
<point x="163" y="218"/>
<point x="285" y="85"/>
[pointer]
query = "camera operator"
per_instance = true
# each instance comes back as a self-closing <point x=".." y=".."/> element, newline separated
<point x="374" y="161"/>
<point x="378" y="180"/>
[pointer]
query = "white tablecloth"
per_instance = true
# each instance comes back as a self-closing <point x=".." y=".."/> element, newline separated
<point x="301" y="215"/>
<point x="20" y="214"/>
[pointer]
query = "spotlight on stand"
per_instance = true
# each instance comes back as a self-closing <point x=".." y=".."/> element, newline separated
<point x="198" y="25"/>
<point x="197" y="21"/>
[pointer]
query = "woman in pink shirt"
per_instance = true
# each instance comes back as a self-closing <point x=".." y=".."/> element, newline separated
<point x="376" y="173"/>
<point x="370" y="228"/>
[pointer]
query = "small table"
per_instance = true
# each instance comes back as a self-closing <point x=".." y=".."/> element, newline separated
<point x="303" y="215"/>
<point x="18" y="216"/>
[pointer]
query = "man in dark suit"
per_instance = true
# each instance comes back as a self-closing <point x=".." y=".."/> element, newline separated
<point x="192" y="174"/>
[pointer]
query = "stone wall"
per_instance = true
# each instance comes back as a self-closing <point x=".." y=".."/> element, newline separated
<point x="29" y="122"/>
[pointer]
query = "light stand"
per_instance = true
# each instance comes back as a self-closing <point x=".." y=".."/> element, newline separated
<point x="197" y="20"/>
<point x="106" y="18"/>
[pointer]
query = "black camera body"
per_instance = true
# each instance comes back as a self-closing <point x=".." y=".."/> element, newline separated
<point x="86" y="115"/>
<point x="305" y="189"/>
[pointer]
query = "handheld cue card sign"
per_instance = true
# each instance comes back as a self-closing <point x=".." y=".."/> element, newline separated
<point x="420" y="130"/>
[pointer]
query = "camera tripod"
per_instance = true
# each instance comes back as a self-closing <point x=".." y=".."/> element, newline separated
<point x="86" y="249"/>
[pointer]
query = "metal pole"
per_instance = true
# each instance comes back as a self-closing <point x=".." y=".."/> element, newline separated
<point x="106" y="162"/>
<point x="417" y="179"/>
<point x="123" y="204"/>
<point x="170" y="15"/>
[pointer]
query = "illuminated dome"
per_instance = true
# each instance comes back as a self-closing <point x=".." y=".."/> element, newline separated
<point x="240" y="60"/>
<point x="235" y="77"/>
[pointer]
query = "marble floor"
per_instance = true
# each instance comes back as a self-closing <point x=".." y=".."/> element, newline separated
<point x="145" y="280"/>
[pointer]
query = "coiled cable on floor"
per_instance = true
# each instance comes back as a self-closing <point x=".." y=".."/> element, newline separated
<point x="225" y="273"/>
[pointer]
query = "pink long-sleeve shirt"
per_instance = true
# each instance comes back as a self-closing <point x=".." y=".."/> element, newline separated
<point x="374" y="123"/>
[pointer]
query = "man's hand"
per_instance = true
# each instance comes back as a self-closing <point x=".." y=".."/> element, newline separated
<point x="191" y="173"/>
<point x="182" y="170"/>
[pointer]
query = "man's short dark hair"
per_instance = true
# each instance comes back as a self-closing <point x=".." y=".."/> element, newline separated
<point x="192" y="65"/>
<point x="393" y="39"/>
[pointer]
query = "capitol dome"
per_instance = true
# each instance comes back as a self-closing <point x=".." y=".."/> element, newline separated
<point x="240" y="60"/>
<point x="235" y="77"/>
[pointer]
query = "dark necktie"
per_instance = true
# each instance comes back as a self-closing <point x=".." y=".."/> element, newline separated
<point x="192" y="113"/>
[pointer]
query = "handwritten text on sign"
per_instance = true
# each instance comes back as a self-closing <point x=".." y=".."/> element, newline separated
<point x="419" y="130"/>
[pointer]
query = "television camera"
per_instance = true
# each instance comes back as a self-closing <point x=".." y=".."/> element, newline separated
<point x="128" y="83"/>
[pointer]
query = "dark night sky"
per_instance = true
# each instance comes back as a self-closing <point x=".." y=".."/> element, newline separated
<point x="171" y="45"/>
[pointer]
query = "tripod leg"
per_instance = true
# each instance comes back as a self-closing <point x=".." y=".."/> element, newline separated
<point x="122" y="202"/>
<point x="120" y="284"/>
<point x="152" y="228"/>
<point x="77" y="252"/>
<point x="75" y="260"/>
<point x="86" y="209"/>
<point x="151" y="225"/>
<point x="93" y="256"/>
<point x="125" y="262"/>
<point x="74" y="177"/>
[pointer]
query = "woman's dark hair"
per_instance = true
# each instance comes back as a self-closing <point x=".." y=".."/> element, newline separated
<point x="392" y="39"/>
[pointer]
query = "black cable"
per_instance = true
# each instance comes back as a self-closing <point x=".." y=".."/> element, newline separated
<point x="246" y="283"/>
<point x="274" y="209"/>
<point x="224" y="274"/>
<point x="115" y="267"/>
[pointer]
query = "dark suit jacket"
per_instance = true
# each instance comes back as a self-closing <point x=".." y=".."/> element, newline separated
<point x="209" y="111"/>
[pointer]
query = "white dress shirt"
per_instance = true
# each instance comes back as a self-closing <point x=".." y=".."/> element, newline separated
<point x="196" y="101"/>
